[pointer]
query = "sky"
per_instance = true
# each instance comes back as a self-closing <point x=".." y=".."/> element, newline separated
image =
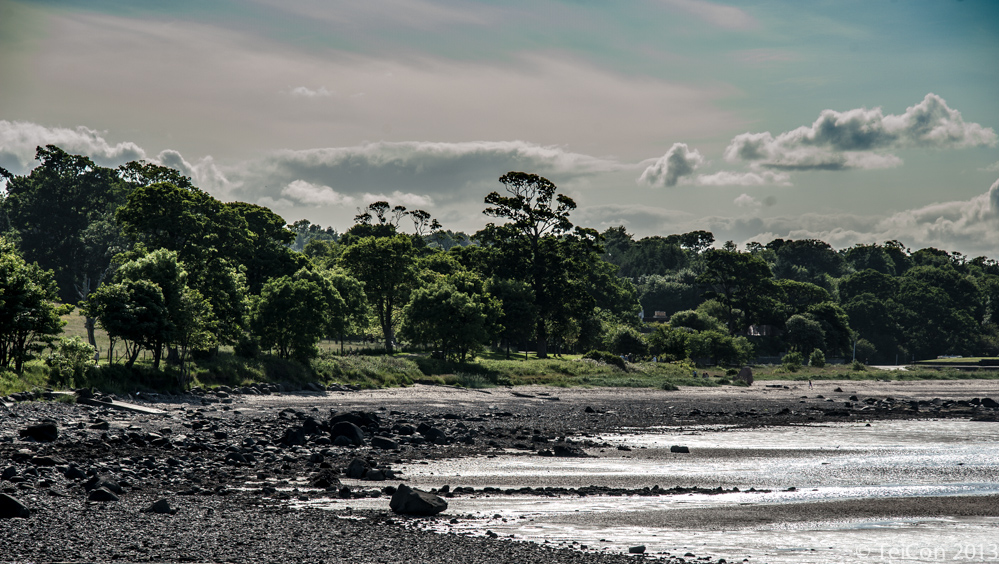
<point x="850" y="121"/>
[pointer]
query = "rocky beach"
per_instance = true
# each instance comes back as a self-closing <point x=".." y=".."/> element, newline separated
<point x="229" y="475"/>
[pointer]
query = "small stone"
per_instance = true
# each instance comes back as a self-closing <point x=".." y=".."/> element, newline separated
<point x="161" y="507"/>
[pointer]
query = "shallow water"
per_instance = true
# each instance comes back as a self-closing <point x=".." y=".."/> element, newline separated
<point x="833" y="462"/>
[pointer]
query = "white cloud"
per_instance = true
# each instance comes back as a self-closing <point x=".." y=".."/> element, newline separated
<point x="307" y="193"/>
<point x="400" y="198"/>
<point x="728" y="17"/>
<point x="746" y="201"/>
<point x="859" y="138"/>
<point x="19" y="139"/>
<point x="994" y="167"/>
<point x="305" y="92"/>
<point x="728" y="178"/>
<point x="677" y="163"/>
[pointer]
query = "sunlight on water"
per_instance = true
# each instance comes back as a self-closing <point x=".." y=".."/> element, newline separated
<point x="822" y="462"/>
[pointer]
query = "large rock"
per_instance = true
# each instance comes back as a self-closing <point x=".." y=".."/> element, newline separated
<point x="105" y="482"/>
<point x="357" y="468"/>
<point x="434" y="435"/>
<point x="680" y="449"/>
<point x="326" y="478"/>
<point x="347" y="429"/>
<point x="990" y="403"/>
<point x="409" y="501"/>
<point x="568" y="451"/>
<point x="102" y="494"/>
<point x="359" y="418"/>
<point x="161" y="507"/>
<point x="746" y="375"/>
<point x="384" y="443"/>
<point x="10" y="508"/>
<point x="44" y="432"/>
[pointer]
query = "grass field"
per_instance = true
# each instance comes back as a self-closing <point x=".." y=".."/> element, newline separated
<point x="489" y="369"/>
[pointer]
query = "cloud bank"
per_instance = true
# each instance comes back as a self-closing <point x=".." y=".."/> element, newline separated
<point x="860" y="138"/>
<point x="19" y="139"/>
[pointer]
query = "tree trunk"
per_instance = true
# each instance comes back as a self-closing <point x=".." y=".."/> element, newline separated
<point x="542" y="340"/>
<point x="89" y="324"/>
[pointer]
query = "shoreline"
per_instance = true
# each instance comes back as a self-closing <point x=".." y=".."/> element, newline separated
<point x="187" y="455"/>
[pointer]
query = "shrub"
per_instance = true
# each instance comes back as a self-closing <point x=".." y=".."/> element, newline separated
<point x="606" y="357"/>
<point x="792" y="361"/>
<point x="858" y="366"/>
<point x="670" y="387"/>
<point x="817" y="358"/>
<point x="70" y="360"/>
<point x="732" y="372"/>
<point x="626" y="340"/>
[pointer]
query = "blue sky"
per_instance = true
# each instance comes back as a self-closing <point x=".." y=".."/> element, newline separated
<point x="846" y="121"/>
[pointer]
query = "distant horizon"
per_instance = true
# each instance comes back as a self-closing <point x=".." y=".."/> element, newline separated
<point x="848" y="122"/>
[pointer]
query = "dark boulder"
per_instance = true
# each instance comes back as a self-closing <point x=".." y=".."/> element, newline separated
<point x="161" y="507"/>
<point x="409" y="501"/>
<point x="568" y="451"/>
<point x="359" y="418"/>
<point x="11" y="508"/>
<point x="325" y="479"/>
<point x="357" y="468"/>
<point x="384" y="443"/>
<point x="679" y="449"/>
<point x="434" y="435"/>
<point x="349" y="430"/>
<point x="102" y="494"/>
<point x="295" y="436"/>
<point x="105" y="482"/>
<point x="44" y="432"/>
<point x="990" y="403"/>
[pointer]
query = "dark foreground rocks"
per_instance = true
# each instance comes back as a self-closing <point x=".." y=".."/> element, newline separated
<point x="241" y="528"/>
<point x="411" y="501"/>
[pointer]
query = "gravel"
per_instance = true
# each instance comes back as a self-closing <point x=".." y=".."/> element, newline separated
<point x="224" y="469"/>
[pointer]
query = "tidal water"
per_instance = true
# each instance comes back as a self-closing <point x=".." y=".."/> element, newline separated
<point x="826" y="463"/>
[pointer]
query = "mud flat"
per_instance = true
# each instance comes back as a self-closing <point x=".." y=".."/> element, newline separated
<point x="244" y="476"/>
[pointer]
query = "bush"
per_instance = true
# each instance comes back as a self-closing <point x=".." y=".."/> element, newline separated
<point x="626" y="340"/>
<point x="731" y="372"/>
<point x="247" y="347"/>
<point x="792" y="361"/>
<point x="817" y="358"/>
<point x="670" y="387"/>
<point x="858" y="366"/>
<point x="606" y="357"/>
<point x="71" y="360"/>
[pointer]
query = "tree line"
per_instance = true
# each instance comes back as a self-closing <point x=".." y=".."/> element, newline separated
<point x="162" y="266"/>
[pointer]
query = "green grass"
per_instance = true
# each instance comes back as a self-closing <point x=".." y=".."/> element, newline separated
<point x="489" y="369"/>
<point x="964" y="360"/>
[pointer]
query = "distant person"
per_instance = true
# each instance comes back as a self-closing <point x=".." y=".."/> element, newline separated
<point x="809" y="384"/>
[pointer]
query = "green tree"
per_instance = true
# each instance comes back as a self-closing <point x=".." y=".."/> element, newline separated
<point x="741" y="281"/>
<point x="354" y="318"/>
<point x="804" y="334"/>
<point x="386" y="267"/>
<point x="29" y="320"/>
<point x="536" y="218"/>
<point x="517" y="306"/>
<point x="63" y="214"/>
<point x="669" y="343"/>
<point x="290" y="316"/>
<point x="131" y="311"/>
<point x="453" y="321"/>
